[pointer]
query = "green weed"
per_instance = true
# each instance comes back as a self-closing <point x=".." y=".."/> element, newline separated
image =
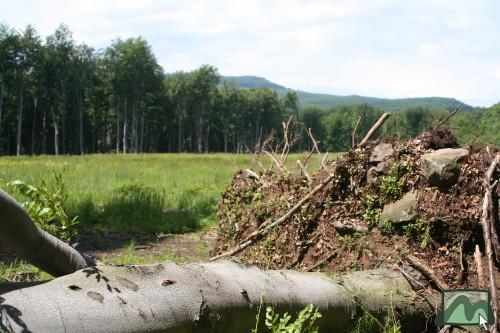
<point x="387" y="228"/>
<point x="21" y="271"/>
<point x="373" y="209"/>
<point x="419" y="231"/>
<point x="304" y="323"/>
<point x="47" y="206"/>
<point x="392" y="185"/>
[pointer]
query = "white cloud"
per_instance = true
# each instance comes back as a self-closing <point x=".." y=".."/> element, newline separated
<point x="380" y="48"/>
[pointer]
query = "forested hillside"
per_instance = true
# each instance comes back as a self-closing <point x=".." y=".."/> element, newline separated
<point x="61" y="97"/>
<point x="307" y="99"/>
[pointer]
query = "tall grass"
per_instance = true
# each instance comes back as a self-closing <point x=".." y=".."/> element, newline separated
<point x="137" y="193"/>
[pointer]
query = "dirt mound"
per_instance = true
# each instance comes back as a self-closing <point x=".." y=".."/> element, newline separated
<point x="380" y="208"/>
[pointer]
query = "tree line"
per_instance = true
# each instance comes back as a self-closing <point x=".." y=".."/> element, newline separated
<point x="58" y="96"/>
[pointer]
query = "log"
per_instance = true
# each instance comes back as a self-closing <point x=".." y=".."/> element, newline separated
<point x="22" y="238"/>
<point x="207" y="297"/>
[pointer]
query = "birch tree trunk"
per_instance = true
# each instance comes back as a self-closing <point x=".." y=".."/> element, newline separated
<point x="118" y="126"/>
<point x="125" y="128"/>
<point x="80" y="120"/>
<point x="56" y="135"/>
<point x="33" y="124"/>
<point x="19" y="131"/>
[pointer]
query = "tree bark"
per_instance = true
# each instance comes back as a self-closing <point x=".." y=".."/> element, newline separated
<point x="199" y="134"/>
<point x="125" y="128"/>
<point x="33" y="125"/>
<point x="21" y="237"/>
<point x="56" y="135"/>
<point x="1" y="113"/>
<point x="118" y="126"/>
<point x="19" y="131"/>
<point x="80" y="120"/>
<point x="207" y="297"/>
<point x="141" y="141"/>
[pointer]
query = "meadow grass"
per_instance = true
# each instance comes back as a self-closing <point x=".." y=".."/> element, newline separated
<point x="146" y="193"/>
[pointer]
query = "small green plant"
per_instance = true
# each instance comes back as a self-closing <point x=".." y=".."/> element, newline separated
<point x="305" y="322"/>
<point x="387" y="228"/>
<point x="393" y="184"/>
<point x="392" y="187"/>
<point x="373" y="209"/>
<point x="419" y="231"/>
<point x="47" y="206"/>
<point x="368" y="323"/>
<point x="349" y="241"/>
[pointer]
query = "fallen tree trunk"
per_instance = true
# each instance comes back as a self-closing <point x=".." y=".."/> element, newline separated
<point x="22" y="238"/>
<point x="211" y="297"/>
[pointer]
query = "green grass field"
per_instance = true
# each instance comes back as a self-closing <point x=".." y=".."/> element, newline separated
<point x="150" y="193"/>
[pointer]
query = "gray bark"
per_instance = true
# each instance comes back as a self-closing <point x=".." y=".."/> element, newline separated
<point x="20" y="118"/>
<point x="56" y="136"/>
<point x="208" y="297"/>
<point x="125" y="128"/>
<point x="21" y="237"/>
<point x="33" y="124"/>
<point x="80" y="120"/>
<point x="118" y="126"/>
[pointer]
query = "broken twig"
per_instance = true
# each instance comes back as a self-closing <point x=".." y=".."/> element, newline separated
<point x="448" y="116"/>
<point x="426" y="271"/>
<point x="354" y="132"/>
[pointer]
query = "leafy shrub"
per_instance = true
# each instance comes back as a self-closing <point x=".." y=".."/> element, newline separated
<point x="387" y="228"/>
<point x="47" y="206"/>
<point x="419" y="231"/>
<point x="393" y="184"/>
<point x="373" y="209"/>
<point x="282" y="324"/>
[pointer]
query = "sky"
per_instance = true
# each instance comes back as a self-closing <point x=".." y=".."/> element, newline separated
<point x="380" y="48"/>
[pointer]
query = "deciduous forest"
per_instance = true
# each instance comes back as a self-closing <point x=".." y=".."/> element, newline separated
<point x="61" y="97"/>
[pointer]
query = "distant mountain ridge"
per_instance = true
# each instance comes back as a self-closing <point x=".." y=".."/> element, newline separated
<point x="326" y="100"/>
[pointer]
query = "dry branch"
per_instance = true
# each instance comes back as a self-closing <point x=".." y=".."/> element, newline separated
<point x="321" y="262"/>
<point x="354" y="132"/>
<point x="493" y="209"/>
<point x="252" y="174"/>
<point x="479" y="267"/>
<point x="274" y="160"/>
<point x="426" y="271"/>
<point x="485" y="224"/>
<point x="374" y="128"/>
<point x="322" y="164"/>
<point x="447" y="117"/>
<point x="304" y="171"/>
<point x="314" y="148"/>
